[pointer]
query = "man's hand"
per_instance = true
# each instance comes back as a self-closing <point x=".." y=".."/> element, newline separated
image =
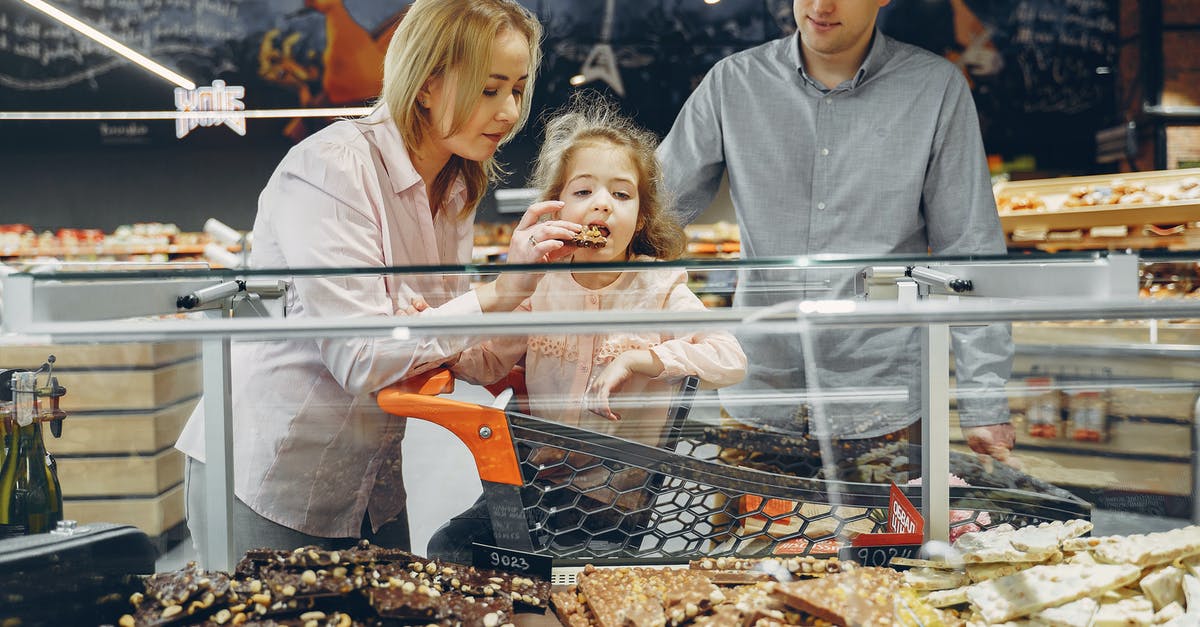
<point x="993" y="442"/>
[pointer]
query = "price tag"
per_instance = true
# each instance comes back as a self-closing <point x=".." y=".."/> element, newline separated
<point x="511" y="560"/>
<point x="880" y="555"/>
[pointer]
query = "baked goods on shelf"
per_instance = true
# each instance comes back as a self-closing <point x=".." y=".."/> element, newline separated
<point x="149" y="241"/>
<point x="1140" y="210"/>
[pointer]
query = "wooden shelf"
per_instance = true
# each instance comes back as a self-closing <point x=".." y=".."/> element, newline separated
<point x="1171" y="212"/>
<point x="713" y="248"/>
<point x="103" y="249"/>
<point x="1136" y="242"/>
<point x="1055" y="217"/>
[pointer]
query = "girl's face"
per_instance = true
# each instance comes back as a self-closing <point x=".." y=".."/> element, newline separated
<point x="601" y="188"/>
<point x="497" y="111"/>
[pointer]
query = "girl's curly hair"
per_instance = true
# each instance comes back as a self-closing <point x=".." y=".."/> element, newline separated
<point x="591" y="119"/>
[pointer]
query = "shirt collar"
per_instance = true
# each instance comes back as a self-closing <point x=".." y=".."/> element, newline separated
<point x="401" y="172"/>
<point x="877" y="55"/>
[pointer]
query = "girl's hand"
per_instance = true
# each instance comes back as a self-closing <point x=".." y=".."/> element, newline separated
<point x="619" y="370"/>
<point x="541" y="242"/>
<point x="595" y="399"/>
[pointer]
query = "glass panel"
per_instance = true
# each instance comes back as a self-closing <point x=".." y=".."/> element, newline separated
<point x="1101" y="397"/>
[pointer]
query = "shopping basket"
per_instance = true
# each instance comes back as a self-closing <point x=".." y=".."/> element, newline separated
<point x="573" y="493"/>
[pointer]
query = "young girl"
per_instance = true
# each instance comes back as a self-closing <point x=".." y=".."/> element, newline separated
<point x="602" y="167"/>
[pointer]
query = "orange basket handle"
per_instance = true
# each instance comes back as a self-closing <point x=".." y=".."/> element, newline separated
<point x="483" y="429"/>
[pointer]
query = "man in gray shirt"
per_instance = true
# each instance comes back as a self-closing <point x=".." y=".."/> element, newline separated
<point x="841" y="140"/>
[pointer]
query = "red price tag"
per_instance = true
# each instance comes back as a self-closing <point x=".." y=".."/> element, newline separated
<point x="905" y="524"/>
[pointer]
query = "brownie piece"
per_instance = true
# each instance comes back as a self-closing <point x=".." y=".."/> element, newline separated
<point x="468" y="580"/>
<point x="590" y="237"/>
<point x="864" y="596"/>
<point x="187" y="594"/>
<point x="745" y="570"/>
<point x="412" y="602"/>
<point x="572" y="609"/>
<point x="646" y="596"/>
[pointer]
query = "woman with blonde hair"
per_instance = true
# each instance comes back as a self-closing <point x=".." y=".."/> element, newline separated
<point x="316" y="461"/>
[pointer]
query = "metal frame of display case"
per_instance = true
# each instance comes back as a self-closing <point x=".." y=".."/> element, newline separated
<point x="76" y="308"/>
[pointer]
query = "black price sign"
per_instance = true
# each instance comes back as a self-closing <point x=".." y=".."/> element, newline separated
<point x="878" y="555"/>
<point x="511" y="560"/>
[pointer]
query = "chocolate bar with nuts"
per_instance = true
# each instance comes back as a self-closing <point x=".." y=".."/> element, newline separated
<point x="468" y="580"/>
<point x="590" y="237"/>
<point x="572" y="609"/>
<point x="187" y="594"/>
<point x="645" y="596"/>
<point x="864" y="596"/>
<point x="411" y="602"/>
<point x="744" y="570"/>
<point x="312" y="557"/>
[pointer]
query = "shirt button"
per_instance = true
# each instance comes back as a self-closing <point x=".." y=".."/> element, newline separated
<point x="824" y="152"/>
<point x="820" y="205"/>
<point x="829" y="101"/>
<point x="592" y="299"/>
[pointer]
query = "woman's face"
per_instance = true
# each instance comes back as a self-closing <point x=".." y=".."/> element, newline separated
<point x="602" y="189"/>
<point x="498" y="108"/>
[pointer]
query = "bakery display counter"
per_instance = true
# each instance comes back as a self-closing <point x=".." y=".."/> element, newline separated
<point x="691" y="487"/>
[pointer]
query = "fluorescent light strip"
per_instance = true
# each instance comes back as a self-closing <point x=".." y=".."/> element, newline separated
<point x="185" y="115"/>
<point x="110" y="43"/>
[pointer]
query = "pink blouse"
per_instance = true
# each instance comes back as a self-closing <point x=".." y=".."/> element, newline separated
<point x="558" y="368"/>
<point x="312" y="450"/>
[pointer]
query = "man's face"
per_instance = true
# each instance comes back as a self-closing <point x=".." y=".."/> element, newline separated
<point x="832" y="27"/>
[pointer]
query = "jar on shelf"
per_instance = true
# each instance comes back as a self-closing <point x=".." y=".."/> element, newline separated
<point x="1043" y="414"/>
<point x="1089" y="416"/>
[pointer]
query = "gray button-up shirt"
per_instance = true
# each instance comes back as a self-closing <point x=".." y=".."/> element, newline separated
<point x="889" y="162"/>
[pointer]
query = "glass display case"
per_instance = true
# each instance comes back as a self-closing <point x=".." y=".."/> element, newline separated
<point x="612" y="418"/>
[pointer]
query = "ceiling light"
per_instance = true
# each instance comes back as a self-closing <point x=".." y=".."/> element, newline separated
<point x="110" y="43"/>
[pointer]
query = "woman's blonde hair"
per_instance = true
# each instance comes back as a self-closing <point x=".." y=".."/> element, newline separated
<point x="589" y="120"/>
<point x="438" y="38"/>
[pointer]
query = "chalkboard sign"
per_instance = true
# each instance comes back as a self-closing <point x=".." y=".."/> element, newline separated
<point x="1042" y="71"/>
<point x="1037" y="67"/>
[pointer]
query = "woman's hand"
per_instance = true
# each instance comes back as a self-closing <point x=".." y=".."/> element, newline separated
<point x="541" y="242"/>
<point x="532" y="242"/>
<point x="618" y="371"/>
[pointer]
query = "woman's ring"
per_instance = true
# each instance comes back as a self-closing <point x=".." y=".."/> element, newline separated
<point x="532" y="242"/>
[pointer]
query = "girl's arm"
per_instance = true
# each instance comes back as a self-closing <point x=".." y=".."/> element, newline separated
<point x="490" y="361"/>
<point x="715" y="357"/>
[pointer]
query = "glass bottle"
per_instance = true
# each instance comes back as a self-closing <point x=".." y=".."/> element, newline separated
<point x="30" y="498"/>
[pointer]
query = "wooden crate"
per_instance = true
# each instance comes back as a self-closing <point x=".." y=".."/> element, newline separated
<point x="126" y="475"/>
<point x="154" y="515"/>
<point x="131" y="433"/>
<point x="126" y="405"/>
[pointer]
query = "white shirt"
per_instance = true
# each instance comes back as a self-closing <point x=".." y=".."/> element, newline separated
<point x="312" y="450"/>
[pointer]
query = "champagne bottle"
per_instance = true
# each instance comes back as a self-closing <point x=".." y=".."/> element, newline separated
<point x="30" y="501"/>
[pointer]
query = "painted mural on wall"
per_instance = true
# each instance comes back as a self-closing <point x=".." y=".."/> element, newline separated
<point x="1032" y="63"/>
